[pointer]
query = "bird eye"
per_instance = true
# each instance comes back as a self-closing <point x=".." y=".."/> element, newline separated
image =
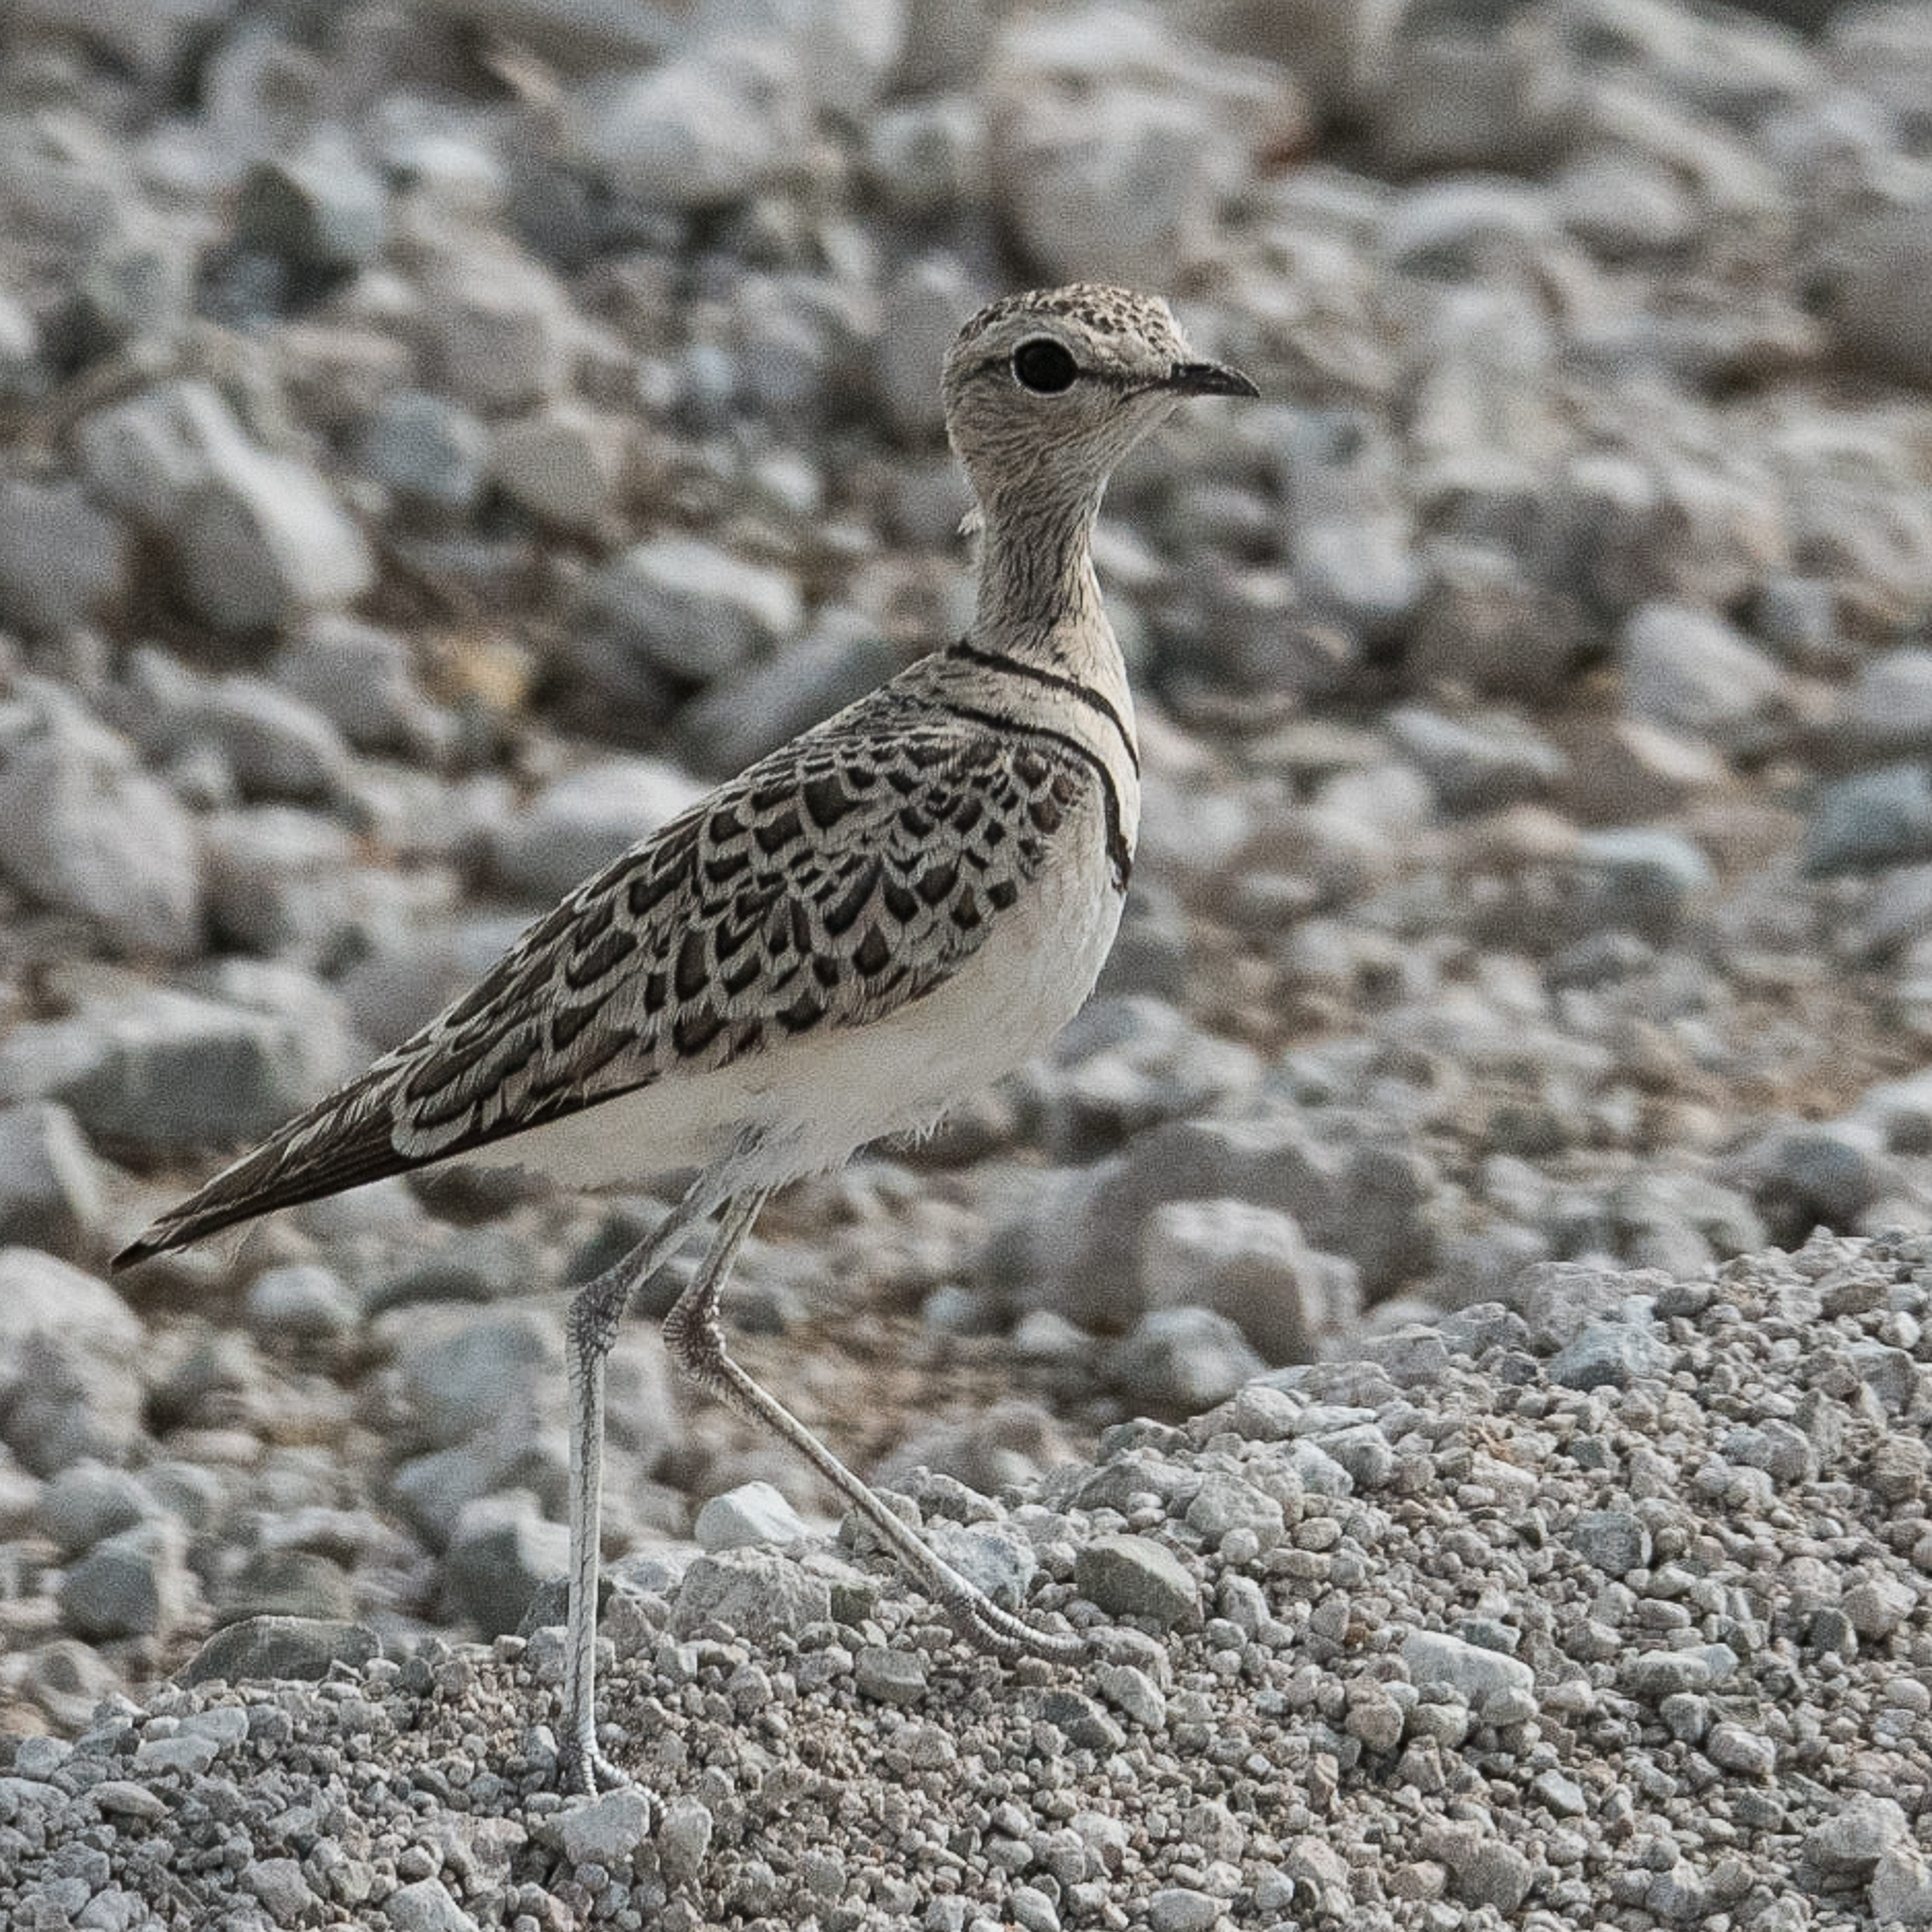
<point x="1043" y="366"/>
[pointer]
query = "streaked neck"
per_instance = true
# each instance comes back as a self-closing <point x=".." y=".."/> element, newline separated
<point x="1038" y="592"/>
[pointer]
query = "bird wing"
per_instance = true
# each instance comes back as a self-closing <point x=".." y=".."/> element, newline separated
<point x="846" y="875"/>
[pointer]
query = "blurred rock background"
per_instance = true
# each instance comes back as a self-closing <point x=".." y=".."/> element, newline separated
<point x="437" y="439"/>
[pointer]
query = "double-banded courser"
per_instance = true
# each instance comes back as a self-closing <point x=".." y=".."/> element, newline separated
<point x="878" y="918"/>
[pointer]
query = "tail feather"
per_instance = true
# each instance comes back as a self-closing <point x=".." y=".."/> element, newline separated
<point x="338" y="1145"/>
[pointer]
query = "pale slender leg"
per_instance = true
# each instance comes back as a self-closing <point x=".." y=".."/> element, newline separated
<point x="696" y="1345"/>
<point x="591" y="1329"/>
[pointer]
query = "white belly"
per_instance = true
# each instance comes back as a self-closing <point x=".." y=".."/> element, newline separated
<point x="807" y="1102"/>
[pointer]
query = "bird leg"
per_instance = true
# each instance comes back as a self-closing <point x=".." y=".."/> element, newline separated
<point x="590" y="1331"/>
<point x="696" y="1341"/>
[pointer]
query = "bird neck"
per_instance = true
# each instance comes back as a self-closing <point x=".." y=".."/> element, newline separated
<point x="1039" y="598"/>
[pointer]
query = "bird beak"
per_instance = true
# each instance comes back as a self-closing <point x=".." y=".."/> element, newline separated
<point x="1208" y="378"/>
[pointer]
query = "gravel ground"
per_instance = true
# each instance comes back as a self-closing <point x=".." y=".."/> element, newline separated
<point x="435" y="440"/>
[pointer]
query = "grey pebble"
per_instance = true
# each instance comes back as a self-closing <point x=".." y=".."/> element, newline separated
<point x="1475" y="1673"/>
<point x="752" y="1512"/>
<point x="1183" y="1359"/>
<point x="1180" y="1908"/>
<point x="88" y="1500"/>
<point x="271" y="1648"/>
<point x="895" y="1677"/>
<point x="753" y="1590"/>
<point x="428" y="450"/>
<point x="1134" y="1576"/>
<point x="610" y="1830"/>
<point x="501" y="1551"/>
<point x="683" y="1839"/>
<point x="1853" y="1839"/>
<point x="426" y="1906"/>
<point x="85" y="829"/>
<point x="301" y="1302"/>
<point x="579" y="824"/>
<point x="279" y="1884"/>
<point x="132" y="1583"/>
<point x="50" y="1192"/>
<point x="1873" y="819"/>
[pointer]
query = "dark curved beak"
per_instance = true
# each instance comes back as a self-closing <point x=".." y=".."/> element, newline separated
<point x="1208" y="378"/>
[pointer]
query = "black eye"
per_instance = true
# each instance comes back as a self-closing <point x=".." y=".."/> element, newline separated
<point x="1043" y="366"/>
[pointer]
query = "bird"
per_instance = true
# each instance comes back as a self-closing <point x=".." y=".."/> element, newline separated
<point x="868" y="924"/>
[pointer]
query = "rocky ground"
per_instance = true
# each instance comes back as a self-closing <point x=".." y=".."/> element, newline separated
<point x="435" y="440"/>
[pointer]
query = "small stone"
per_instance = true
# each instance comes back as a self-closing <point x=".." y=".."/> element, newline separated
<point x="1476" y="1674"/>
<point x="755" y="1591"/>
<point x="119" y="1797"/>
<point x="1873" y="819"/>
<point x="1654" y="1675"/>
<point x="1131" y="1690"/>
<point x="87" y="1501"/>
<point x="264" y="543"/>
<point x="1032" y="1910"/>
<point x="1413" y="1356"/>
<point x="683" y="1839"/>
<point x="754" y="709"/>
<point x="1879" y="1606"/>
<point x="896" y="1677"/>
<point x="1246" y="1263"/>
<point x="610" y="1830"/>
<point x="132" y="1584"/>
<point x="1901" y="1890"/>
<point x="577" y="824"/>
<point x="85" y="829"/>
<point x="275" y="746"/>
<point x="279" y="1884"/>
<point x="1857" y="1835"/>
<point x="562" y="464"/>
<point x="170" y="1072"/>
<point x="303" y="1302"/>
<point x="1496" y="1875"/>
<point x="456" y="1384"/>
<point x="1612" y="1355"/>
<point x="68" y="1346"/>
<point x="1180" y="1908"/>
<point x="1476" y="766"/>
<point x="1734" y="1747"/>
<point x="1134" y="1576"/>
<point x="698" y="132"/>
<point x="1181" y="1360"/>
<point x="752" y="1512"/>
<point x="274" y="1649"/>
<point x="426" y="1906"/>
<point x="1562" y="1796"/>
<point x="1614" y="1540"/>
<point x="680" y="607"/>
<point x="1692" y="672"/>
<point x="50" y="1194"/>
<point x="502" y="1551"/>
<point x="501" y="329"/>
<point x="64" y="561"/>
<point x="429" y="451"/>
<point x="321" y="213"/>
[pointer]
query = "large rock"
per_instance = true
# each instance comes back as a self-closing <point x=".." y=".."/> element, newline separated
<point x="699" y="132"/>
<point x="1114" y="139"/>
<point x="69" y="1346"/>
<point x="85" y="829"/>
<point x="171" y="1073"/>
<point x="258" y="538"/>
<point x="50" y="1187"/>
<point x="681" y="609"/>
<point x="63" y="560"/>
